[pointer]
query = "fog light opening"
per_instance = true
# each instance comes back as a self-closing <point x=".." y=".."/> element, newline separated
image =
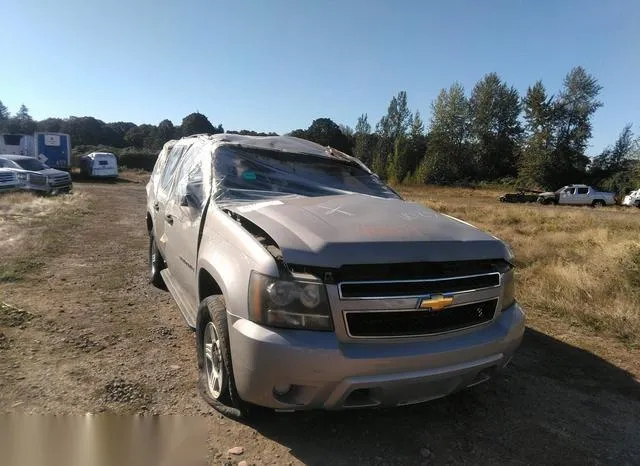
<point x="281" y="389"/>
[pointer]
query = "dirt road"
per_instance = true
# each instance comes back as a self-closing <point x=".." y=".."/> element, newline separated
<point x="87" y="333"/>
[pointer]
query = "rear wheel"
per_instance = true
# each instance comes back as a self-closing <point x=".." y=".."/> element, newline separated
<point x="156" y="264"/>
<point x="215" y="372"/>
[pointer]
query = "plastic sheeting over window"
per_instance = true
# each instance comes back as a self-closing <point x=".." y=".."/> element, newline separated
<point x="250" y="174"/>
<point x="190" y="180"/>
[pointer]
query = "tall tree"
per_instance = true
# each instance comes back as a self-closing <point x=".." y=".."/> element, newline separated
<point x="364" y="141"/>
<point x="25" y="123"/>
<point x="326" y="132"/>
<point x="447" y="156"/>
<point x="536" y="167"/>
<point x="166" y="132"/>
<point x="616" y="168"/>
<point x="399" y="163"/>
<point x="576" y="104"/>
<point x="4" y="112"/>
<point x="494" y="127"/>
<point x="417" y="143"/>
<point x="52" y="125"/>
<point x="197" y="123"/>
<point x="398" y="115"/>
<point x="390" y="127"/>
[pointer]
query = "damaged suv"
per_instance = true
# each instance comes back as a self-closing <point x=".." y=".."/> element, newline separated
<point x="312" y="284"/>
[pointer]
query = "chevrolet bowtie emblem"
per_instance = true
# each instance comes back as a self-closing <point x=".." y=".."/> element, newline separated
<point x="435" y="303"/>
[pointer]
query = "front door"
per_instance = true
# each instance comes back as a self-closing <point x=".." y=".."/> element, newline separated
<point x="567" y="196"/>
<point x="183" y="215"/>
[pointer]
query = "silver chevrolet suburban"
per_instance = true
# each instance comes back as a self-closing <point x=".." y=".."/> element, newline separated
<point x="312" y="284"/>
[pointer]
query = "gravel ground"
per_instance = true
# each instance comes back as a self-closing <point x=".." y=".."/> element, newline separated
<point x="86" y="333"/>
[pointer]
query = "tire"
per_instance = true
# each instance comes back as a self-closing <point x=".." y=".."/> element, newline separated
<point x="219" y="390"/>
<point x="156" y="264"/>
<point x="598" y="203"/>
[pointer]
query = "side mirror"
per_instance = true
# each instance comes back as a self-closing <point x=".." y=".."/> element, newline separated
<point x="192" y="196"/>
<point x="188" y="200"/>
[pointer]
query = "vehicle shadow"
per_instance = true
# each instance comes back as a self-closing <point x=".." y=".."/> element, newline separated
<point x="555" y="404"/>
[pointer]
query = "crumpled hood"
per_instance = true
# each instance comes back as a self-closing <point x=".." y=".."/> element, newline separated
<point x="332" y="231"/>
<point x="547" y="194"/>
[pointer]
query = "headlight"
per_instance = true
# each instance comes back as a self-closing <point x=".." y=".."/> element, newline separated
<point x="511" y="257"/>
<point x="288" y="304"/>
<point x="508" y="288"/>
<point x="22" y="177"/>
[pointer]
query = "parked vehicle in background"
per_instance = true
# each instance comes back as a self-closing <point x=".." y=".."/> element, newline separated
<point x="99" y="165"/>
<point x="522" y="195"/>
<point x="54" y="149"/>
<point x="17" y="144"/>
<point x="632" y="199"/>
<point x="9" y="180"/>
<point x="37" y="176"/>
<point x="312" y="284"/>
<point x="577" y="194"/>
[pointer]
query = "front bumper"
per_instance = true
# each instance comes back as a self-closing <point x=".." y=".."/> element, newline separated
<point x="49" y="189"/>
<point x="322" y="372"/>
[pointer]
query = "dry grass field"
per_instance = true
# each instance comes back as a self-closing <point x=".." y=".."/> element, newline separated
<point x="579" y="264"/>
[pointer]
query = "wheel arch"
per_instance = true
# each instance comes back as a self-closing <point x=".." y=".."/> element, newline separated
<point x="149" y="223"/>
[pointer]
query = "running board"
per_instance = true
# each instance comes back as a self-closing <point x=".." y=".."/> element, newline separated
<point x="188" y="313"/>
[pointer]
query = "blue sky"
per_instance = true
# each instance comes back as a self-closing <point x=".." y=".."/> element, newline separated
<point x="275" y="65"/>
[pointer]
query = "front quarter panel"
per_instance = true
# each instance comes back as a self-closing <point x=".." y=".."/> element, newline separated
<point x="229" y="253"/>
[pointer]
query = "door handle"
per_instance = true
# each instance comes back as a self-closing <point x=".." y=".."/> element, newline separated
<point x="156" y="206"/>
<point x="169" y="219"/>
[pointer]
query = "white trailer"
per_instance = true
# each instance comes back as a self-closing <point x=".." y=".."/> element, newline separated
<point x="17" y="144"/>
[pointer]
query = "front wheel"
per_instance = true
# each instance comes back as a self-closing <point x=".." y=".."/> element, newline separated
<point x="598" y="203"/>
<point x="216" y="383"/>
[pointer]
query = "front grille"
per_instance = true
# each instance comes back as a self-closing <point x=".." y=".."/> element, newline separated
<point x="403" y="271"/>
<point x="414" y="288"/>
<point x="38" y="180"/>
<point x="7" y="177"/>
<point x="410" y="323"/>
<point x="59" y="181"/>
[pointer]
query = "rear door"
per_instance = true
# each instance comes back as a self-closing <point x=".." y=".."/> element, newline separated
<point x="53" y="150"/>
<point x="183" y="216"/>
<point x="582" y="196"/>
<point x="162" y="194"/>
<point x="105" y="165"/>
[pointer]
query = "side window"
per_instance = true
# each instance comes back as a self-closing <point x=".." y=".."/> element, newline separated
<point x="189" y="180"/>
<point x="583" y="190"/>
<point x="570" y="190"/>
<point x="170" y="166"/>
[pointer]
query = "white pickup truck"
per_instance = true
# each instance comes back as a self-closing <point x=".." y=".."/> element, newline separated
<point x="632" y="199"/>
<point x="577" y="194"/>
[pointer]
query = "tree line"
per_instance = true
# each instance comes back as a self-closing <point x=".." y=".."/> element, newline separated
<point x="491" y="135"/>
<point x="89" y="131"/>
